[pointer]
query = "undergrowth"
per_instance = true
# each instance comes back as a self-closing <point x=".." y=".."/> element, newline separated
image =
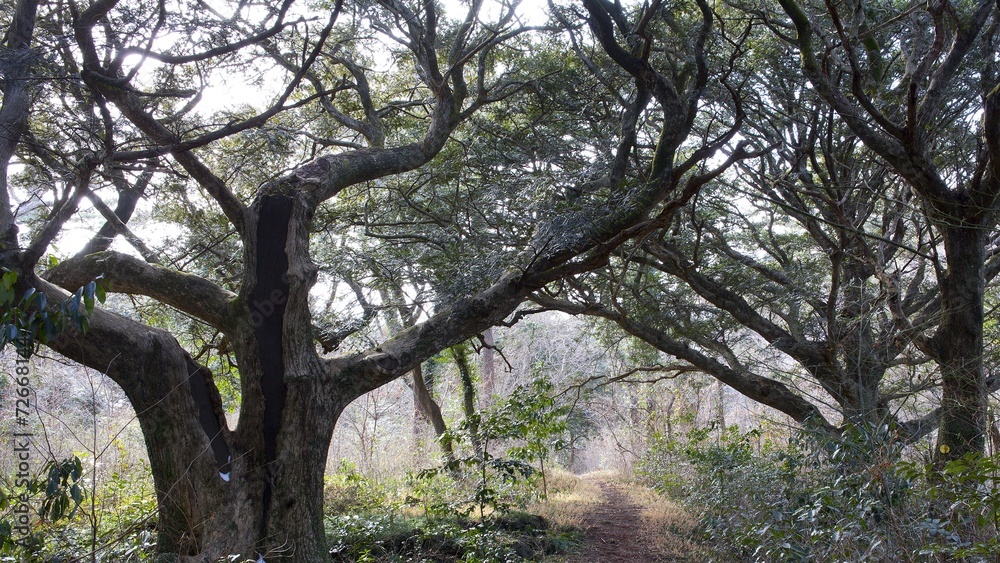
<point x="857" y="498"/>
<point x="367" y="520"/>
<point x="429" y="518"/>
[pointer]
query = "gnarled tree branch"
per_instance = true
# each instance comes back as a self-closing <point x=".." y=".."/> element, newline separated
<point x="122" y="273"/>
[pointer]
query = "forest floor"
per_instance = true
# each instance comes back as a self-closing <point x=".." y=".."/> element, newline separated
<point x="620" y="522"/>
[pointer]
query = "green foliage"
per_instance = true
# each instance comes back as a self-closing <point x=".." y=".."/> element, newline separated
<point x="349" y="490"/>
<point x="23" y="322"/>
<point x="370" y="537"/>
<point x="963" y="520"/>
<point x="528" y="424"/>
<point x="62" y="488"/>
<point x="531" y="416"/>
<point x="32" y="316"/>
<point x="61" y="497"/>
<point x="817" y="499"/>
<point x="24" y="549"/>
<point x="125" y="529"/>
<point x="364" y="523"/>
<point x="363" y="537"/>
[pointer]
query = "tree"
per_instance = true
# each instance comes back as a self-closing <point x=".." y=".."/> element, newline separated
<point x="818" y="252"/>
<point x="120" y="112"/>
<point x="911" y="90"/>
<point x="663" y="290"/>
<point x="772" y="284"/>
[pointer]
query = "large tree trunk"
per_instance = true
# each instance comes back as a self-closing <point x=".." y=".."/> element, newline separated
<point x="184" y="427"/>
<point x="959" y="344"/>
<point x="258" y="490"/>
<point x="285" y="448"/>
<point x="268" y="507"/>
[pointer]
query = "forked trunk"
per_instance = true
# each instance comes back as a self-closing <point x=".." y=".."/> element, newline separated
<point x="256" y="491"/>
<point x="246" y="508"/>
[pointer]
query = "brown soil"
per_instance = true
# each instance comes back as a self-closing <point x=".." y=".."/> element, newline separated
<point x="614" y="532"/>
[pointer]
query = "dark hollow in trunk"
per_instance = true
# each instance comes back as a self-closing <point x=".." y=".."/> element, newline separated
<point x="267" y="312"/>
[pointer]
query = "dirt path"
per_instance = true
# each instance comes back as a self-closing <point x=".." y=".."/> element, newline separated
<point x="614" y="532"/>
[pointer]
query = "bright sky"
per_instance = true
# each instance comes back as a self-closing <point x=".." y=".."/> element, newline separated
<point x="228" y="93"/>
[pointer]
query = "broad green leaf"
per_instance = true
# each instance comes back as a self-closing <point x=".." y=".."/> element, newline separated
<point x="99" y="290"/>
<point x="88" y="296"/>
<point x="10" y="333"/>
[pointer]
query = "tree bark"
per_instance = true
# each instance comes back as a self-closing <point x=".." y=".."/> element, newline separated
<point x="488" y="361"/>
<point x="863" y="360"/>
<point x="460" y="353"/>
<point x="184" y="426"/>
<point x="258" y="490"/>
<point x="959" y="344"/>
<point x="430" y="409"/>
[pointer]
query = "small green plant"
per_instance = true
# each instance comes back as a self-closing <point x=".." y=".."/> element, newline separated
<point x="62" y="488"/>
<point x="540" y="424"/>
<point x="362" y="537"/>
<point x="368" y="537"/>
<point x="24" y="322"/>
<point x="527" y="427"/>
<point x="59" y="485"/>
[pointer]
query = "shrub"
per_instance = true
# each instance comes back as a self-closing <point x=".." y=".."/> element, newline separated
<point x="963" y="500"/>
<point x="349" y="490"/>
<point x="496" y="473"/>
<point x="850" y="499"/>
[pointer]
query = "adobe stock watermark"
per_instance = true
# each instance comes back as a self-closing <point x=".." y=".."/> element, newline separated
<point x="22" y="437"/>
<point x="262" y="309"/>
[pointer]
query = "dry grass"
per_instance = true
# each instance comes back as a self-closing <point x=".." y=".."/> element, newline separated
<point x="570" y="498"/>
<point x="668" y="526"/>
